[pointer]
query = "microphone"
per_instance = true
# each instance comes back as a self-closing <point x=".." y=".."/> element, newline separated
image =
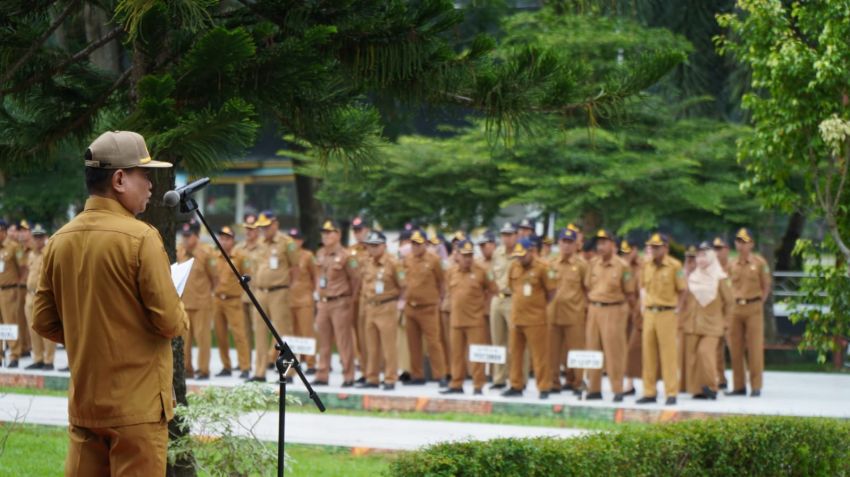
<point x="174" y="197"/>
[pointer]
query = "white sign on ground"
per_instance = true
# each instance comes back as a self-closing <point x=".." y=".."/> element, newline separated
<point x="584" y="359"/>
<point x="8" y="332"/>
<point x="301" y="344"/>
<point x="487" y="354"/>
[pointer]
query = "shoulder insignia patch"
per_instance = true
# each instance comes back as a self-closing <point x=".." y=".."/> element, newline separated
<point x="627" y="275"/>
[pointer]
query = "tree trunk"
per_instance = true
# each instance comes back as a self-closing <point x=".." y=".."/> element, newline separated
<point x="785" y="258"/>
<point x="98" y="25"/>
<point x="310" y="210"/>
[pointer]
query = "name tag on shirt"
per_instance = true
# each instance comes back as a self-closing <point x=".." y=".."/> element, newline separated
<point x="526" y="289"/>
<point x="301" y="344"/>
<point x="379" y="287"/>
<point x="584" y="359"/>
<point x="487" y="354"/>
<point x="273" y="262"/>
<point x="8" y="332"/>
<point x="323" y="283"/>
<point x="2" y="266"/>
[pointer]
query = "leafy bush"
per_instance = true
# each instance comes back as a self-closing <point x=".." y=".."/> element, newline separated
<point x="752" y="446"/>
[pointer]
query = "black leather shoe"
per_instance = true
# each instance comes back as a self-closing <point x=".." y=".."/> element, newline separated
<point x="26" y="354"/>
<point x="755" y="393"/>
<point x="478" y="392"/>
<point x="555" y="391"/>
<point x="244" y="375"/>
<point x="544" y="394"/>
<point x="593" y="397"/>
<point x="13" y="364"/>
<point x="498" y="386"/>
<point x="348" y="384"/>
<point x="366" y="385"/>
<point x="361" y="380"/>
<point x="452" y="391"/>
<point x="444" y="383"/>
<point x="737" y="392"/>
<point x="709" y="394"/>
<point x="48" y="367"/>
<point x="618" y="397"/>
<point x="318" y="382"/>
<point x="630" y="392"/>
<point x="256" y="379"/>
<point x="388" y="387"/>
<point x="224" y="373"/>
<point x="405" y="376"/>
<point x="700" y="396"/>
<point x="646" y="400"/>
<point x="414" y="382"/>
<point x="670" y="401"/>
<point x="202" y="377"/>
<point x="38" y="365"/>
<point x="310" y="371"/>
<point x="722" y="385"/>
<point x="511" y="392"/>
<point x="65" y="370"/>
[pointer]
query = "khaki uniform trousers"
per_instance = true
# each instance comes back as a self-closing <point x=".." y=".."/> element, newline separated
<point x="199" y="332"/>
<point x="682" y="363"/>
<point x="248" y="317"/>
<point x="402" y="350"/>
<point x="445" y="336"/>
<point x="24" y="335"/>
<point x="660" y="330"/>
<point x="43" y="349"/>
<point x="381" y="330"/>
<point x="9" y="313"/>
<point x="276" y="305"/>
<point x="746" y="335"/>
<point x="606" y="332"/>
<point x="701" y="354"/>
<point x="462" y="338"/>
<point x="362" y="349"/>
<point x="633" y="355"/>
<point x="500" y="320"/>
<point x="424" y="321"/>
<point x="335" y="319"/>
<point x="534" y="338"/>
<point x="565" y="337"/>
<point x="721" y="360"/>
<point x="227" y="316"/>
<point x="138" y="450"/>
<point x="305" y="326"/>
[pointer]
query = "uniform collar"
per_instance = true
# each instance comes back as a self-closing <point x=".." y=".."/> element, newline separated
<point x="110" y="205"/>
<point x="565" y="259"/>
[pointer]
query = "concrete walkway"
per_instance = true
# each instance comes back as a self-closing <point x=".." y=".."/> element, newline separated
<point x="317" y="429"/>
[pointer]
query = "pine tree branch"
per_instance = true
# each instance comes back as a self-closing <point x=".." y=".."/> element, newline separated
<point x="81" y="55"/>
<point x="39" y="42"/>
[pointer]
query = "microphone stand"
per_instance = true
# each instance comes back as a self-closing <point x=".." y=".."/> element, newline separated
<point x="286" y="359"/>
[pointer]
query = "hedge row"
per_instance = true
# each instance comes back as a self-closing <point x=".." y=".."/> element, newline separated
<point x="740" y="446"/>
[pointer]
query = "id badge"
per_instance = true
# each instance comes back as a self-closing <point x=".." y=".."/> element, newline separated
<point x="379" y="287"/>
<point x="2" y="266"/>
<point x="273" y="263"/>
<point x="526" y="289"/>
<point x="323" y="282"/>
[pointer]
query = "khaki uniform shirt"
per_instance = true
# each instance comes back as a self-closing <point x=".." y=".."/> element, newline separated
<point x="13" y="263"/>
<point x="250" y="251"/>
<point x="274" y="261"/>
<point x="570" y="302"/>
<point x="530" y="287"/>
<point x="106" y="293"/>
<point x="470" y="291"/>
<point x="748" y="277"/>
<point x="338" y="273"/>
<point x="227" y="285"/>
<point x="501" y="263"/>
<point x="663" y="282"/>
<point x="609" y="282"/>
<point x="199" y="286"/>
<point x="301" y="294"/>
<point x="709" y="320"/>
<point x="34" y="264"/>
<point x="424" y="279"/>
<point x="383" y="279"/>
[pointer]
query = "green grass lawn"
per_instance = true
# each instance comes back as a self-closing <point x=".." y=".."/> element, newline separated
<point x="40" y="451"/>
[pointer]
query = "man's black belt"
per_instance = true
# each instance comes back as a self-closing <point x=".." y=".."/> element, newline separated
<point x="659" y="309"/>
<point x="22" y="285"/>
<point x="382" y="302"/>
<point x="7" y="287"/>
<point x="271" y="289"/>
<point x="747" y="301"/>
<point x="326" y="299"/>
<point x="602" y="303"/>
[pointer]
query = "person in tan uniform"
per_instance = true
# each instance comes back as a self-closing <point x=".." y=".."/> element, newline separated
<point x="275" y="270"/>
<point x="24" y="238"/>
<point x="686" y="317"/>
<point x="709" y="299"/>
<point x="450" y="262"/>
<point x="664" y="281"/>
<point x="303" y="305"/>
<point x="546" y="251"/>
<point x="359" y="251"/>
<point x="629" y="252"/>
<point x="43" y="349"/>
<point x="751" y="281"/>
<point x="339" y="281"/>
<point x="500" y="304"/>
<point x="382" y="284"/>
<point x="197" y="298"/>
<point x="227" y="306"/>
<point x="721" y="250"/>
<point x="106" y="293"/>
<point x="13" y="272"/>
<point x="422" y="293"/>
<point x="470" y="285"/>
<point x="249" y="248"/>
<point x="533" y="285"/>
<point x="611" y="291"/>
<point x="569" y="310"/>
<point x="403" y="352"/>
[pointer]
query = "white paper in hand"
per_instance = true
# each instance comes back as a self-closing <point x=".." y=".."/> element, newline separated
<point x="180" y="274"/>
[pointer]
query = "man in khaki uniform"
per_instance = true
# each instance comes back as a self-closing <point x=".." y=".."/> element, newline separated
<point x="423" y="292"/>
<point x="525" y="229"/>
<point x="383" y="281"/>
<point x="569" y="310"/>
<point x="24" y="238"/>
<point x="470" y="285"/>
<point x="249" y="248"/>
<point x="664" y="281"/>
<point x="685" y="320"/>
<point x="276" y="269"/>
<point x="629" y="252"/>
<point x="303" y="305"/>
<point x="197" y="297"/>
<point x="106" y="294"/>
<point x="13" y="272"/>
<point x="532" y="284"/>
<point x="721" y="249"/>
<point x="751" y="283"/>
<point x="339" y="281"/>
<point x="500" y="305"/>
<point x="43" y="349"/>
<point x="610" y="288"/>
<point x="227" y="309"/>
<point x="359" y="252"/>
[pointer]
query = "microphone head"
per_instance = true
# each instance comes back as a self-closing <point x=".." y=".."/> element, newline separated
<point x="171" y="198"/>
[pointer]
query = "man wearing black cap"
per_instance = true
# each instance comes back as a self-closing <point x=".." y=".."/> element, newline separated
<point x="500" y="305"/>
<point x="197" y="297"/>
<point x="227" y="307"/>
<point x="303" y="305"/>
<point x="525" y="229"/>
<point x="568" y="310"/>
<point x="13" y="271"/>
<point x="249" y="248"/>
<point x="43" y="349"/>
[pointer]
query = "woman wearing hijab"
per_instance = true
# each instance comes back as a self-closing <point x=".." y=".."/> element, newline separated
<point x="710" y="297"/>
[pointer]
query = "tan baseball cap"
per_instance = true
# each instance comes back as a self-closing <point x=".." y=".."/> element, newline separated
<point x="120" y="150"/>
